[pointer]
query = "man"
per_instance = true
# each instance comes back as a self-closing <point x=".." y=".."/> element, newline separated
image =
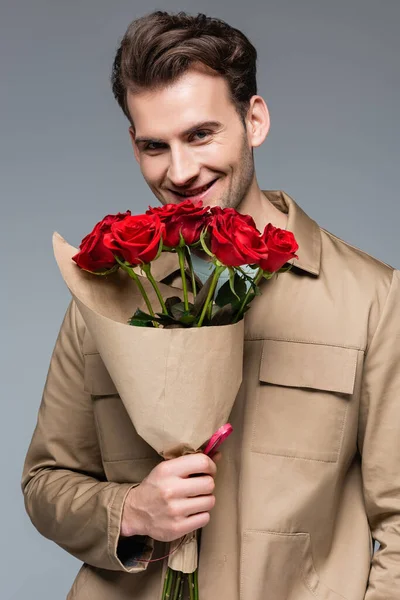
<point x="310" y="476"/>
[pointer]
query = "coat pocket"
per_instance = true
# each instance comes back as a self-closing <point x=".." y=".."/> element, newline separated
<point x="302" y="399"/>
<point x="118" y="438"/>
<point x="280" y="566"/>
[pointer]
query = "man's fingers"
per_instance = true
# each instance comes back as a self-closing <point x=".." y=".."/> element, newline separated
<point x="196" y="486"/>
<point x="217" y="457"/>
<point x="190" y="464"/>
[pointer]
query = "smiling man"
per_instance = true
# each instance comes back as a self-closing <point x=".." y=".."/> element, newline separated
<point x="191" y="142"/>
<point x="310" y="477"/>
<point x="195" y="114"/>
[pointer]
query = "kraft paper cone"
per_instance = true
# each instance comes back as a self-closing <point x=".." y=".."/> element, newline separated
<point x="115" y="296"/>
<point x="178" y="386"/>
<point x="185" y="559"/>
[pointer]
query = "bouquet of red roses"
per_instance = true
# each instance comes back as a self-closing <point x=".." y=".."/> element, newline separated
<point x="175" y="354"/>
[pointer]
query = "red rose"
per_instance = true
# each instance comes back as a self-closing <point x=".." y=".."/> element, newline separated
<point x="186" y="217"/>
<point x="235" y="240"/>
<point x="217" y="210"/>
<point x="136" y="239"/>
<point x="281" y="248"/>
<point x="93" y="255"/>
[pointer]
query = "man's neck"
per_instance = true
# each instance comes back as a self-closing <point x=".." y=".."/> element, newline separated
<point x="261" y="209"/>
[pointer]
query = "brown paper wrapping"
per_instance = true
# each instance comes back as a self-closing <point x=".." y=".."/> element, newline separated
<point x="185" y="558"/>
<point x="177" y="385"/>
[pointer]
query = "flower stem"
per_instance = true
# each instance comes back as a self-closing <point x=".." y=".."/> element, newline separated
<point x="191" y="586"/>
<point x="142" y="291"/>
<point x="171" y="578"/>
<point x="181" y="255"/>
<point x="184" y="578"/>
<point x="210" y="295"/>
<point x="135" y="277"/>
<point x="196" y="584"/>
<point x="177" y="585"/>
<point x="166" y="581"/>
<point x="256" y="280"/>
<point x="146" y="268"/>
<point x="190" y="265"/>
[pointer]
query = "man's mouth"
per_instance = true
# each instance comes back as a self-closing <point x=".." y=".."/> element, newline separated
<point x="195" y="192"/>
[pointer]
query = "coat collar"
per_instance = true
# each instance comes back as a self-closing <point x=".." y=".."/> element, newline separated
<point x="305" y="230"/>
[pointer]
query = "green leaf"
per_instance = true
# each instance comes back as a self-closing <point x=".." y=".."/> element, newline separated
<point x="141" y="315"/>
<point x="142" y="319"/>
<point x="165" y="319"/>
<point x="238" y="284"/>
<point x="140" y="323"/>
<point x="187" y="319"/>
<point x="103" y="273"/>
<point x="178" y="310"/>
<point x="169" y="303"/>
<point x="215" y="309"/>
<point x="268" y="275"/>
<point x="202" y="295"/>
<point x="232" y="282"/>
<point x="287" y="268"/>
<point x="223" y="316"/>
<point x="147" y="319"/>
<point x="232" y="292"/>
<point x="246" y="307"/>
<point x="179" y="318"/>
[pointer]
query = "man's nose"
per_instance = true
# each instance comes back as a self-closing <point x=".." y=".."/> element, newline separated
<point x="183" y="167"/>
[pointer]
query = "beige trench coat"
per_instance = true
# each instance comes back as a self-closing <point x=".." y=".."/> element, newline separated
<point x="311" y="470"/>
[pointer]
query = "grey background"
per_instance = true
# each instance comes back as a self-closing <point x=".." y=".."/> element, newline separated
<point x="329" y="72"/>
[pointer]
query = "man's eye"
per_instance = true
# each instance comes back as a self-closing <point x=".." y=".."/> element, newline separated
<point x="202" y="134"/>
<point x="153" y="146"/>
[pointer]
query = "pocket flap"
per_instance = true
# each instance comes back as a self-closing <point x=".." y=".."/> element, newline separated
<point x="97" y="380"/>
<point x="308" y="365"/>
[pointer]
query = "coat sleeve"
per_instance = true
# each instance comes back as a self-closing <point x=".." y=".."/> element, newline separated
<point x="379" y="442"/>
<point x="66" y="493"/>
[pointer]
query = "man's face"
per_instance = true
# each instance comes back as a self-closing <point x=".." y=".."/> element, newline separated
<point x="190" y="142"/>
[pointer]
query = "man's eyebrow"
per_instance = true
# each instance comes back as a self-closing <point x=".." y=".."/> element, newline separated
<point x="196" y="127"/>
<point x="202" y="125"/>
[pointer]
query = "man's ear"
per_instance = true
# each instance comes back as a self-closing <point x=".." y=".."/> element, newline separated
<point x="135" y="148"/>
<point x="257" y="121"/>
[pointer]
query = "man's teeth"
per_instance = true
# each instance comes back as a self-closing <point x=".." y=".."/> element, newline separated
<point x="196" y="193"/>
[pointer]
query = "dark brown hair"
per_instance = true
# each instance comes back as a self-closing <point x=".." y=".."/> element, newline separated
<point x="160" y="47"/>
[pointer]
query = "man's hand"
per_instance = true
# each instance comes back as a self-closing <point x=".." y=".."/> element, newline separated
<point x="169" y="502"/>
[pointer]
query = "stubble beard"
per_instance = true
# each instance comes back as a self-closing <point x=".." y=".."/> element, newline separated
<point x="239" y="187"/>
<point x="239" y="184"/>
<point x="242" y="181"/>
